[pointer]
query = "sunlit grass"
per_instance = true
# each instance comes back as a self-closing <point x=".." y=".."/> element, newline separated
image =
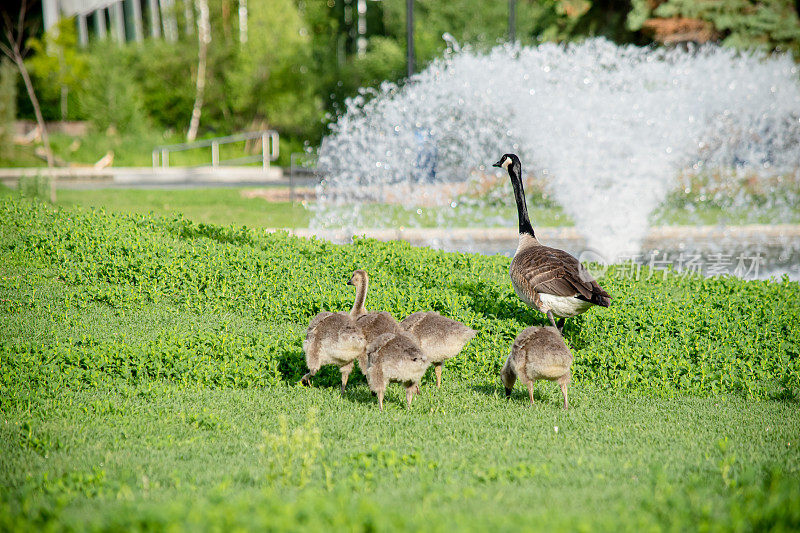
<point x="147" y="383"/>
<point x="226" y="206"/>
<point x="222" y="206"/>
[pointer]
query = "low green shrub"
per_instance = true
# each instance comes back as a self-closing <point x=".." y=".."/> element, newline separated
<point x="663" y="333"/>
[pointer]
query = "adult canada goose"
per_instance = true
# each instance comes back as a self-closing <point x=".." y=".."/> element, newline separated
<point x="538" y="353"/>
<point x="334" y="339"/>
<point x="549" y="279"/>
<point x="439" y="337"/>
<point x="395" y="358"/>
<point x="372" y="324"/>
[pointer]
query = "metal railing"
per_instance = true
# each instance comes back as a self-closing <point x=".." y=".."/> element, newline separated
<point x="268" y="138"/>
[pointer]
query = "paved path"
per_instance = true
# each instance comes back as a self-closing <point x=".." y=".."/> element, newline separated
<point x="146" y="177"/>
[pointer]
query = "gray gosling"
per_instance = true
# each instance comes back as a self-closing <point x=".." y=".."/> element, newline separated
<point x="538" y="353"/>
<point x="334" y="339"/>
<point x="395" y="358"/>
<point x="372" y="324"/>
<point x="439" y="337"/>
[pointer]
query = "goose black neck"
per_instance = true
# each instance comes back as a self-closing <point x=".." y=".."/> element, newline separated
<point x="515" y="172"/>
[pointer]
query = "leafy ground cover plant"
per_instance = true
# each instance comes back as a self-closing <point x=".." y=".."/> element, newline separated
<point x="663" y="334"/>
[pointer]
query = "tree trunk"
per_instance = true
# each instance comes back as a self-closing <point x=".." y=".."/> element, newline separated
<point x="203" y="38"/>
<point x="39" y="118"/>
<point x="35" y="102"/>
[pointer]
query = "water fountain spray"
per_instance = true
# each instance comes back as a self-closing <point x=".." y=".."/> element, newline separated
<point x="608" y="127"/>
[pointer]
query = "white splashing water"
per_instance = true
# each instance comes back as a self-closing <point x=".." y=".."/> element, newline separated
<point x="609" y="127"/>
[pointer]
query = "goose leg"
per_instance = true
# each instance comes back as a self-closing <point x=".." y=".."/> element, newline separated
<point x="380" y="399"/>
<point x="564" y="392"/>
<point x="530" y="390"/>
<point x="560" y="324"/>
<point x="345" y="370"/>
<point x="438" y="369"/>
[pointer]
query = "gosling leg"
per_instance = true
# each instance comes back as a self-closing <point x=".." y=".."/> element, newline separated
<point x="552" y="319"/>
<point x="345" y="370"/>
<point x="438" y="369"/>
<point x="530" y="390"/>
<point x="380" y="399"/>
<point x="305" y="380"/>
<point x="564" y="392"/>
<point x="410" y="395"/>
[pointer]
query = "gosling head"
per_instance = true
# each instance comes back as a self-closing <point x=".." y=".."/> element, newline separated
<point x="507" y="160"/>
<point x="358" y="278"/>
<point x="508" y="377"/>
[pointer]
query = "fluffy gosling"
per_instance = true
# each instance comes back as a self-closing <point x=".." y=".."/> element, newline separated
<point x="538" y="353"/>
<point x="334" y="339"/>
<point x="372" y="324"/>
<point x="395" y="358"/>
<point x="439" y="337"/>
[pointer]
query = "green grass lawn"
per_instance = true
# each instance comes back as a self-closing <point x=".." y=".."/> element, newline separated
<point x="147" y="383"/>
<point x="222" y="206"/>
<point x="228" y="206"/>
<point x="158" y="455"/>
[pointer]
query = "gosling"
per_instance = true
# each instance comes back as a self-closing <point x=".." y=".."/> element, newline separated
<point x="538" y="353"/>
<point x="439" y="337"/>
<point x="334" y="339"/>
<point x="395" y="358"/>
<point x="372" y="324"/>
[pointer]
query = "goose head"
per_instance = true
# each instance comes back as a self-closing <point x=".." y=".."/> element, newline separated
<point x="507" y="160"/>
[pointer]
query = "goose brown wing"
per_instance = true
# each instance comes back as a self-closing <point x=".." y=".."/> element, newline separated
<point x="552" y="271"/>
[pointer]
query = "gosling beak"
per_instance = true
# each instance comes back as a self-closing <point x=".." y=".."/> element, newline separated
<point x="508" y="392"/>
<point x="498" y="164"/>
<point x="350" y="281"/>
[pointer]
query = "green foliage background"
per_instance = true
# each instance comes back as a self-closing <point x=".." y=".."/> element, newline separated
<point x="770" y="25"/>
<point x="300" y="62"/>
<point x="8" y="106"/>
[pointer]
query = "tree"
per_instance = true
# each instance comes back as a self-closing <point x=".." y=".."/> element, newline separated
<point x="15" y="51"/>
<point x="273" y="80"/>
<point x="8" y="107"/>
<point x="203" y="39"/>
<point x="57" y="61"/>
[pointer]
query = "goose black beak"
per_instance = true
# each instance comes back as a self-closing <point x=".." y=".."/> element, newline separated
<point x="498" y="164"/>
<point x="350" y="281"/>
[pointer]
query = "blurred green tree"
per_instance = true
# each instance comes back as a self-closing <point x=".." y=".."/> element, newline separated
<point x="272" y="82"/>
<point x="58" y="67"/>
<point x="767" y="24"/>
<point x="8" y="107"/>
